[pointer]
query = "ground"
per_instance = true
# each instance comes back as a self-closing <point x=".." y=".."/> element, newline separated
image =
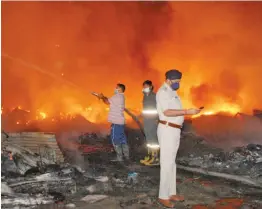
<point x="200" y="192"/>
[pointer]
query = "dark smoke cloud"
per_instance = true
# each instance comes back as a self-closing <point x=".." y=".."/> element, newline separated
<point x="208" y="38"/>
<point x="228" y="86"/>
<point x="217" y="46"/>
<point x="94" y="44"/>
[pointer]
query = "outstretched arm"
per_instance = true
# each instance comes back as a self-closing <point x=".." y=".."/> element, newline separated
<point x="104" y="99"/>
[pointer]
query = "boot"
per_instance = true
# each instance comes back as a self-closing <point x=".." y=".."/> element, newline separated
<point x="143" y="161"/>
<point x="154" y="160"/>
<point x="119" y="154"/>
<point x="147" y="158"/>
<point x="125" y="149"/>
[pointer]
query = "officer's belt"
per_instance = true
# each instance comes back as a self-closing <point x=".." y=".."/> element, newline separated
<point x="173" y="125"/>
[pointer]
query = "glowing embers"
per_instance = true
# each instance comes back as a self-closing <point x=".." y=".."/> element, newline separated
<point x="41" y="115"/>
<point x="227" y="203"/>
<point x="226" y="109"/>
<point x="89" y="109"/>
<point x="209" y="113"/>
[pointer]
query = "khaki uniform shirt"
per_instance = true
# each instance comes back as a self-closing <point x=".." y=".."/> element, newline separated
<point x="166" y="99"/>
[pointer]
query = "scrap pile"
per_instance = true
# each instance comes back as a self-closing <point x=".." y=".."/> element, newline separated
<point x="36" y="174"/>
<point x="35" y="177"/>
<point x="243" y="164"/>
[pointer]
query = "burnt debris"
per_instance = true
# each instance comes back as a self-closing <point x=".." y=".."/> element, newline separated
<point x="36" y="177"/>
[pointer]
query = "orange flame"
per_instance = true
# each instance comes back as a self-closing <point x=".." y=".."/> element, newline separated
<point x="229" y="109"/>
<point x="43" y="115"/>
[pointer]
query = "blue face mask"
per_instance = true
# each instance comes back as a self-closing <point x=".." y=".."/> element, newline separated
<point x="175" y="86"/>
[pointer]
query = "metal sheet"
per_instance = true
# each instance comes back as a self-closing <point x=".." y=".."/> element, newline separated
<point x="41" y="143"/>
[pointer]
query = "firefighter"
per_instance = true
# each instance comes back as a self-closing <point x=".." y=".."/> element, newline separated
<point x="150" y="118"/>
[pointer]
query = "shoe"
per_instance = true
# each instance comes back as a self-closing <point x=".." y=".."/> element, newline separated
<point x="154" y="161"/>
<point x="166" y="203"/>
<point x="117" y="159"/>
<point x="147" y="158"/>
<point x="177" y="198"/>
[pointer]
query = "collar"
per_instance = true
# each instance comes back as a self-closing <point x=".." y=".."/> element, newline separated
<point x="167" y="86"/>
<point x="119" y="93"/>
<point x="147" y="94"/>
<point x="170" y="89"/>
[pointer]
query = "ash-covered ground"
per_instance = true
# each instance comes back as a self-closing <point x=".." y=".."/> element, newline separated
<point x="209" y="176"/>
<point x="104" y="184"/>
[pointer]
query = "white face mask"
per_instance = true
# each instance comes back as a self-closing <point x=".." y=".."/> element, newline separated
<point x="146" y="90"/>
<point x="116" y="91"/>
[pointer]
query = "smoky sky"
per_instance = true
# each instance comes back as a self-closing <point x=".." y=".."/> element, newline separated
<point x="94" y="45"/>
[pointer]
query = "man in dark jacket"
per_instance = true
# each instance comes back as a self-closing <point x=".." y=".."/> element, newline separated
<point x="150" y="118"/>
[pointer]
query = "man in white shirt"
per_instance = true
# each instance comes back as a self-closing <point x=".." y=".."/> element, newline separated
<point x="171" y="118"/>
<point x="116" y="118"/>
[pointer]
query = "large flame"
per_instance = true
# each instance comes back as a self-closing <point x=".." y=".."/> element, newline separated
<point x="55" y="53"/>
<point x="229" y="109"/>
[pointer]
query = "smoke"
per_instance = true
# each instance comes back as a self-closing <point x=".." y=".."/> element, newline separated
<point x="227" y="132"/>
<point x="92" y="44"/>
<point x="217" y="47"/>
<point x="227" y="86"/>
<point x="98" y="44"/>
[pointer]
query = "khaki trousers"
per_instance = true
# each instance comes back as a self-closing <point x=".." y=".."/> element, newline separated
<point x="169" y="140"/>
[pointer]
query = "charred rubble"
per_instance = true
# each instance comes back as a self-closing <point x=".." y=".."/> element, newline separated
<point x="242" y="164"/>
<point x="30" y="178"/>
<point x="198" y="153"/>
<point x="33" y="178"/>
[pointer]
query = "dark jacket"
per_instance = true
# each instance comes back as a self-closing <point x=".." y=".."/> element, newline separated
<point x="149" y="103"/>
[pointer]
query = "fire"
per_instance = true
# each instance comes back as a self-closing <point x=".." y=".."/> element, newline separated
<point x="43" y="115"/>
<point x="229" y="109"/>
<point x="219" y="59"/>
<point x="209" y="113"/>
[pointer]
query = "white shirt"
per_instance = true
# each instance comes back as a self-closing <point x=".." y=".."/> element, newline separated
<point x="116" y="109"/>
<point x="166" y="99"/>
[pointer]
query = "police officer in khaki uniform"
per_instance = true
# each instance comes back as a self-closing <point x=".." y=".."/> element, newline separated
<point x="171" y="118"/>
